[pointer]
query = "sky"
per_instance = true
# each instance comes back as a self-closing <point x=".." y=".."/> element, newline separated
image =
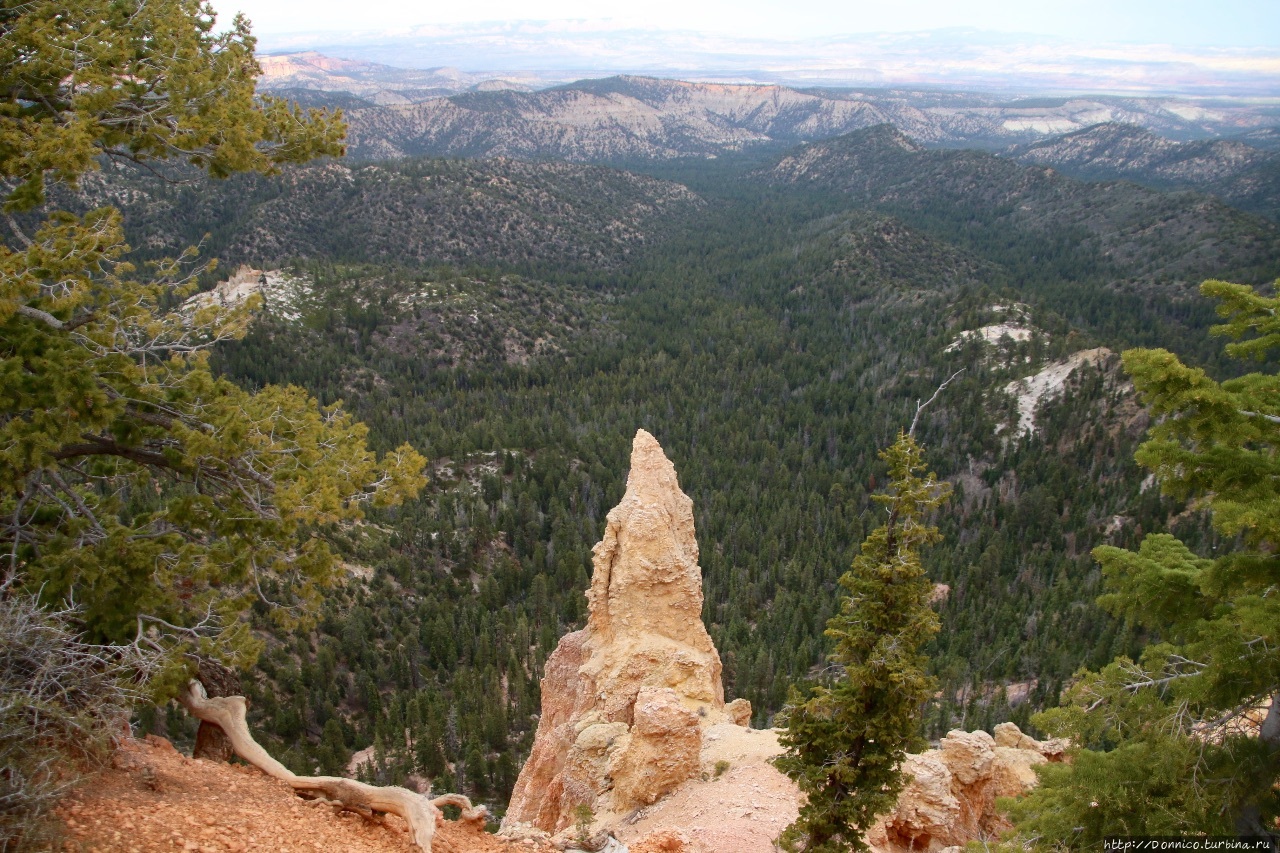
<point x="1186" y="23"/>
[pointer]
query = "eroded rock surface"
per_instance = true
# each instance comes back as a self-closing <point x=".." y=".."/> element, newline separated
<point x="626" y="699"/>
<point x="951" y="797"/>
<point x="634" y="723"/>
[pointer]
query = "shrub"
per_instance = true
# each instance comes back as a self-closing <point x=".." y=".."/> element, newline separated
<point x="62" y="701"/>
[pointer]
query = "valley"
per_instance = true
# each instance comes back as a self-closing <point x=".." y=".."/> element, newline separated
<point x="774" y="321"/>
<point x="633" y="463"/>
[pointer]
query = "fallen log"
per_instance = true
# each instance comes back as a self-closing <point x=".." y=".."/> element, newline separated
<point x="420" y="812"/>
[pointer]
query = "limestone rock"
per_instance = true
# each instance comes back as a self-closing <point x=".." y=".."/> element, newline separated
<point x="1014" y="771"/>
<point x="625" y="700"/>
<point x="951" y="797"/>
<point x="1009" y="735"/>
<point x="968" y="755"/>
<point x="663" y="841"/>
<point x="739" y="710"/>
<point x="662" y="750"/>
<point x="927" y="808"/>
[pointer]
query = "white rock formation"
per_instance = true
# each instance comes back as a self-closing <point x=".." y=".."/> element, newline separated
<point x="279" y="292"/>
<point x="1034" y="391"/>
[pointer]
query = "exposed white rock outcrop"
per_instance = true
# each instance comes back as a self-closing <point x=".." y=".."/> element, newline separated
<point x="992" y="334"/>
<point x="281" y="293"/>
<point x="1034" y="391"/>
<point x="1014" y="325"/>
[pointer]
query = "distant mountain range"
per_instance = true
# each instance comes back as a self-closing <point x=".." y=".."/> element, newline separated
<point x="1239" y="173"/>
<point x="1226" y="149"/>
<point x="952" y="59"/>
<point x="310" y="77"/>
<point x="629" y="117"/>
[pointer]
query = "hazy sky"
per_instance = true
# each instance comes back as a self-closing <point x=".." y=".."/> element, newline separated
<point x="1226" y="23"/>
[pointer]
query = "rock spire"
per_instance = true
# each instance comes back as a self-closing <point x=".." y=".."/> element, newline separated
<point x="625" y="700"/>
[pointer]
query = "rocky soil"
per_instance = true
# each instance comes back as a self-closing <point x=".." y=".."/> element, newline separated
<point x="155" y="799"/>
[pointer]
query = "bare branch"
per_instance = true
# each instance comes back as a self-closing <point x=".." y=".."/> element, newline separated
<point x="53" y="322"/>
<point x="42" y="316"/>
<point x="253" y="564"/>
<point x="99" y="446"/>
<point x="17" y="230"/>
<point x="920" y="407"/>
<point x="1271" y="418"/>
<point x="117" y="153"/>
<point x="77" y="500"/>
<point x="228" y="714"/>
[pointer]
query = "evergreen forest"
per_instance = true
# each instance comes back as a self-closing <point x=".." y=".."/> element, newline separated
<point x="517" y="322"/>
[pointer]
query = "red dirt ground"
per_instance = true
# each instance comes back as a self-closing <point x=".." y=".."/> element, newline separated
<point x="155" y="800"/>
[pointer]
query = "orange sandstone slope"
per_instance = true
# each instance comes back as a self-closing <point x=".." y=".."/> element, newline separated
<point x="154" y="799"/>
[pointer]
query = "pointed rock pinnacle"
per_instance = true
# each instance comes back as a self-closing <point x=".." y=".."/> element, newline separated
<point x="625" y="699"/>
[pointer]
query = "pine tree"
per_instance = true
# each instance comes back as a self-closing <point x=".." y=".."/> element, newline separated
<point x="1199" y="711"/>
<point x="845" y="742"/>
<point x="138" y="489"/>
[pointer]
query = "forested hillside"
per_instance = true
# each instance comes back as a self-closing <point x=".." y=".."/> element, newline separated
<point x="774" y="330"/>
<point x="1235" y="171"/>
<point x="1083" y="230"/>
<point x="412" y="212"/>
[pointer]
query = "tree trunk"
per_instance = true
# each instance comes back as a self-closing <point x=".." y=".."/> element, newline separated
<point x="421" y="813"/>
<point x="1269" y="731"/>
<point x="219" y="681"/>
<point x="1249" y="820"/>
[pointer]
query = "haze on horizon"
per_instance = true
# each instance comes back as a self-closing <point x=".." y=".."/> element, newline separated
<point x="1177" y="23"/>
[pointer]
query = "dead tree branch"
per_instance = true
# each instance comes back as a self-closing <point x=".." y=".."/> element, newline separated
<point x="421" y="813"/>
<point x="920" y="407"/>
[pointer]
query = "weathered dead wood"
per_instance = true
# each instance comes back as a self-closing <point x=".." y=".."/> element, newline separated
<point x="212" y="742"/>
<point x="421" y="813"/>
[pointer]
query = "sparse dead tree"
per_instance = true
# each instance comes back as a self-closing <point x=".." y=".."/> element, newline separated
<point x="420" y="812"/>
<point x="218" y="681"/>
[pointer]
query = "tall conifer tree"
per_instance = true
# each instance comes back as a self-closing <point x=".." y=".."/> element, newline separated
<point x="153" y="498"/>
<point x="845" y="742"/>
<point x="1187" y="737"/>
